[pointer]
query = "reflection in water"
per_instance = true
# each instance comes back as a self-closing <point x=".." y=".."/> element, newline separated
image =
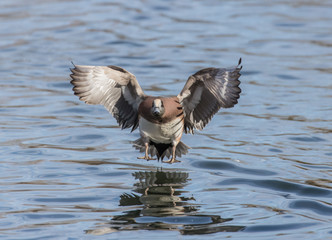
<point x="162" y="205"/>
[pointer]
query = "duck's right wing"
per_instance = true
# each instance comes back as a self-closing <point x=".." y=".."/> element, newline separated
<point x="206" y="92"/>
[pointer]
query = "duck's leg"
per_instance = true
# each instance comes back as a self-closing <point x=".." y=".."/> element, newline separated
<point x="146" y="156"/>
<point x="172" y="160"/>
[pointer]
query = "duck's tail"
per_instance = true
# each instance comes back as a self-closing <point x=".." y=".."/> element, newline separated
<point x="161" y="150"/>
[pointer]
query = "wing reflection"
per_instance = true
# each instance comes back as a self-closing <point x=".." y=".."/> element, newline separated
<point x="162" y="204"/>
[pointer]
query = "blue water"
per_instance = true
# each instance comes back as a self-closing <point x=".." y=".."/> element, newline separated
<point x="261" y="170"/>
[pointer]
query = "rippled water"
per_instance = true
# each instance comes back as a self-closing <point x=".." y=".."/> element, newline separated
<point x="261" y="170"/>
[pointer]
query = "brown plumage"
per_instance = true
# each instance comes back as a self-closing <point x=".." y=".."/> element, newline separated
<point x="172" y="108"/>
<point x="161" y="120"/>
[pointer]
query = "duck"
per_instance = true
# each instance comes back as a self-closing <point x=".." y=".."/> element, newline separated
<point x="161" y="120"/>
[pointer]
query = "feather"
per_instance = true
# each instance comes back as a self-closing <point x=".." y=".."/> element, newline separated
<point x="113" y="87"/>
<point x="206" y="91"/>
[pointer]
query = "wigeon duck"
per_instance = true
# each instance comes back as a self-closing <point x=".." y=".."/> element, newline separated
<point x="161" y="120"/>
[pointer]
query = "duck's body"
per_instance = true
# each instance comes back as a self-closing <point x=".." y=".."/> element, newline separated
<point x="161" y="120"/>
<point x="161" y="126"/>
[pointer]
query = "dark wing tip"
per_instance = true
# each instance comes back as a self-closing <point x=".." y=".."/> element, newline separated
<point x="72" y="82"/>
<point x="116" y="68"/>
<point x="238" y="65"/>
<point x="71" y="69"/>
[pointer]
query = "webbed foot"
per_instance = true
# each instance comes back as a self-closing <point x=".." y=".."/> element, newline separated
<point x="172" y="160"/>
<point x="146" y="158"/>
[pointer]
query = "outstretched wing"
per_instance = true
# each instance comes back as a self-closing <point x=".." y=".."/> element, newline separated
<point x="113" y="87"/>
<point x="206" y="92"/>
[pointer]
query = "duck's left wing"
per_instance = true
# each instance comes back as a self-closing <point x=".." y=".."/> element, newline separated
<point x="206" y="92"/>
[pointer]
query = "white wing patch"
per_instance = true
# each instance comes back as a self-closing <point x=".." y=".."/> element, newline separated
<point x="223" y="76"/>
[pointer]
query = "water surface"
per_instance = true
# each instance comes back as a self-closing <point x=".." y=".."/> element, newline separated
<point x="261" y="170"/>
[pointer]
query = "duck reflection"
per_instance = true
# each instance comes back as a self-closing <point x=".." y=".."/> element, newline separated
<point x="163" y="206"/>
